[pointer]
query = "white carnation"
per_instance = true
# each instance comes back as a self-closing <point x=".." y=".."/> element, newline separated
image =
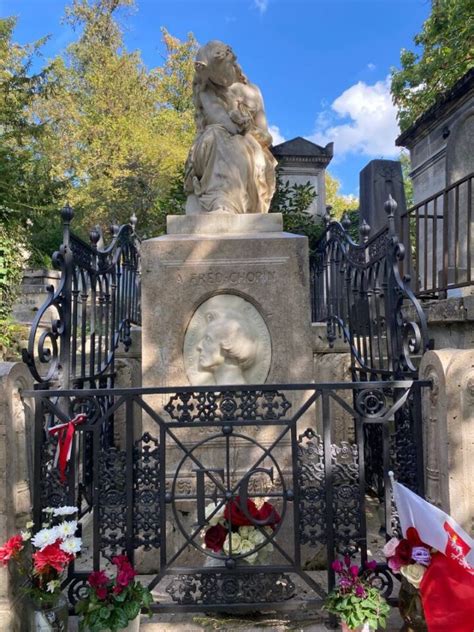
<point x="216" y="518"/>
<point x="236" y="542"/>
<point x="45" y="537"/>
<point x="71" y="545"/>
<point x="64" y="511"/>
<point x="65" y="529"/>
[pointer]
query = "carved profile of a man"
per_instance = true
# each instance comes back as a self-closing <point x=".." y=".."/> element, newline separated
<point x="227" y="348"/>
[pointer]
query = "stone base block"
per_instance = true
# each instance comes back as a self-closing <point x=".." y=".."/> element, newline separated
<point x="264" y="274"/>
<point x="223" y="224"/>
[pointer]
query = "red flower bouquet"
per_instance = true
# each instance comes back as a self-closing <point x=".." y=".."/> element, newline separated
<point x="112" y="603"/>
<point x="409" y="556"/>
<point x="44" y="556"/>
<point x="243" y="531"/>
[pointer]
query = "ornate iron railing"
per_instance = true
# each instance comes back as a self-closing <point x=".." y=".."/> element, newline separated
<point x="182" y="454"/>
<point x="359" y="291"/>
<point x="75" y="333"/>
<point x="438" y="234"/>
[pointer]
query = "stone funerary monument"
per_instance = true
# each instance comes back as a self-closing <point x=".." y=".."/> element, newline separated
<point x="225" y="292"/>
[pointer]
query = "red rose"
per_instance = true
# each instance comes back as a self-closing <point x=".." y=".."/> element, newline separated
<point x="403" y="552"/>
<point x="97" y="578"/>
<point x="215" y="537"/>
<point x="269" y="514"/>
<point x="51" y="557"/>
<point x="233" y="513"/>
<point x="11" y="548"/>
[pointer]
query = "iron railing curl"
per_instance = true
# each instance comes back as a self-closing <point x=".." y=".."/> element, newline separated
<point x="76" y="331"/>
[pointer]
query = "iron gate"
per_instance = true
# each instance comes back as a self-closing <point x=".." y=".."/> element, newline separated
<point x="183" y="456"/>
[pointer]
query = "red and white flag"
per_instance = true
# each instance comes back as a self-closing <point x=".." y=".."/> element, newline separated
<point x="447" y="587"/>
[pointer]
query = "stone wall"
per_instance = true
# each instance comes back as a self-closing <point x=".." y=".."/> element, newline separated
<point x="448" y="432"/>
<point x="16" y="441"/>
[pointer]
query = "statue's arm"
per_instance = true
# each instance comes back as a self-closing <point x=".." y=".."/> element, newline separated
<point x="261" y="125"/>
<point x="260" y="120"/>
<point x="216" y="113"/>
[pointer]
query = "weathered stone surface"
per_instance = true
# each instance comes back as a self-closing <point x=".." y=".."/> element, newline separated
<point x="180" y="272"/>
<point x="336" y="367"/>
<point x="16" y="451"/>
<point x="378" y="180"/>
<point x="223" y="224"/>
<point x="450" y="322"/>
<point x="33" y="293"/>
<point x="448" y="432"/>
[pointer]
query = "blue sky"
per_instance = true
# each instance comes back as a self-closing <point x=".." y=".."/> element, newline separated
<point x="322" y="65"/>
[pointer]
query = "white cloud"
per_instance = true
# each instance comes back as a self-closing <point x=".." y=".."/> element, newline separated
<point x="371" y="66"/>
<point x="276" y="134"/>
<point x="362" y="120"/>
<point x="261" y="5"/>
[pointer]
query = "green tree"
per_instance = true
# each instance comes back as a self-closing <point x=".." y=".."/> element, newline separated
<point x="27" y="191"/>
<point x="447" y="53"/>
<point x="118" y="132"/>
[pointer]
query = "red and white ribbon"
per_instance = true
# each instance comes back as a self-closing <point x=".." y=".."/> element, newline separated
<point x="65" y="434"/>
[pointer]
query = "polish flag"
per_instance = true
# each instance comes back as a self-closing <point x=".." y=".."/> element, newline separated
<point x="447" y="587"/>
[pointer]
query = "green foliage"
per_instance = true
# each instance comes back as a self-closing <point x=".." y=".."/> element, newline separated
<point x="118" y="133"/>
<point x="339" y="203"/>
<point x="12" y="256"/>
<point x="355" y="611"/>
<point x="293" y="201"/>
<point x="26" y="186"/>
<point x="115" y="612"/>
<point x="447" y="53"/>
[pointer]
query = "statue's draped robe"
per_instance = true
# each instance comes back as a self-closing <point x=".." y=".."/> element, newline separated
<point x="231" y="173"/>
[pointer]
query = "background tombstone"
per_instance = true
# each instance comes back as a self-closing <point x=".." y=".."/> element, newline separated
<point x="378" y="179"/>
<point x="301" y="161"/>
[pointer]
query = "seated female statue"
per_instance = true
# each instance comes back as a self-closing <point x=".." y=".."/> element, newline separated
<point x="230" y="168"/>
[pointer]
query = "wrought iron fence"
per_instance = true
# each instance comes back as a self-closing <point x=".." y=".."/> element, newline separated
<point x="182" y="455"/>
<point x="438" y="232"/>
<point x="359" y="291"/>
<point x="75" y="333"/>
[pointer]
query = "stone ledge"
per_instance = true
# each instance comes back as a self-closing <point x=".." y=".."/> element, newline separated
<point x="221" y="224"/>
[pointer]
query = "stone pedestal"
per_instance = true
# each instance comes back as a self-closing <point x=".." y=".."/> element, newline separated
<point x="448" y="432"/>
<point x="260" y="264"/>
<point x="241" y="280"/>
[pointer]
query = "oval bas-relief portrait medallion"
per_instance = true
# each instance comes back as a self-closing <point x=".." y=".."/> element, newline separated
<point x="227" y="342"/>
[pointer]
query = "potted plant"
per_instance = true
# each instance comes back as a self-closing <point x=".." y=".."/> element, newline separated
<point x="114" y="604"/>
<point x="359" y="605"/>
<point x="410" y="557"/>
<point x="41" y="559"/>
